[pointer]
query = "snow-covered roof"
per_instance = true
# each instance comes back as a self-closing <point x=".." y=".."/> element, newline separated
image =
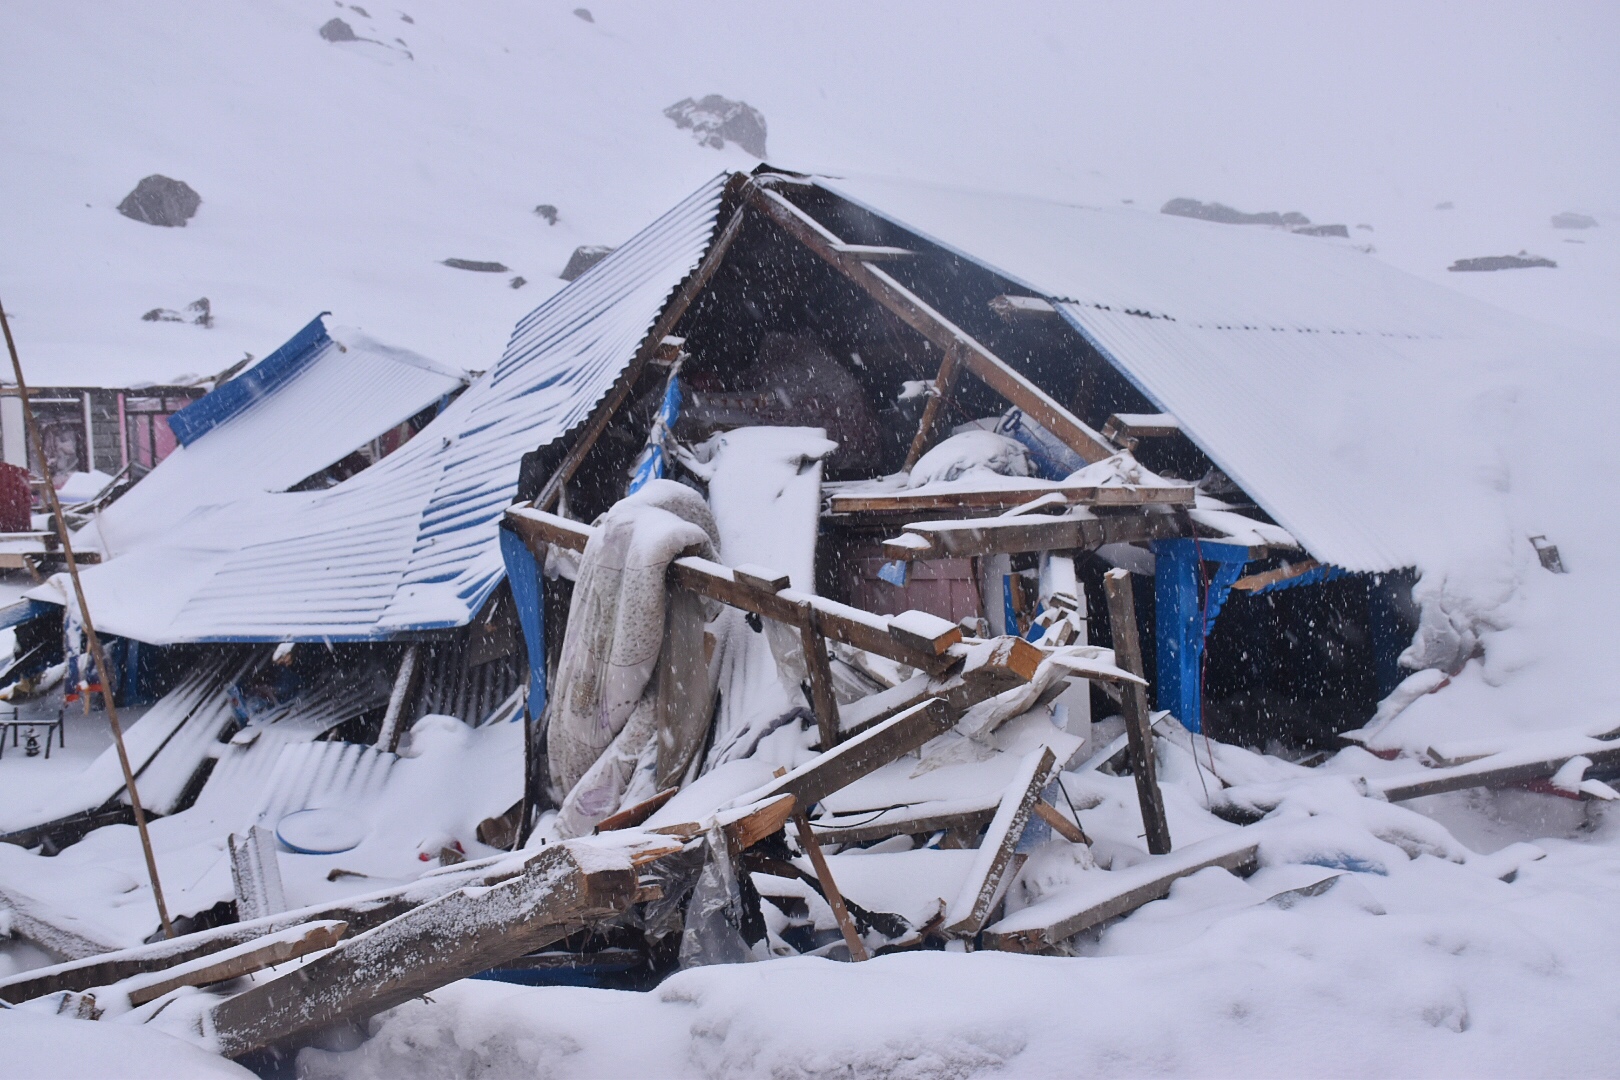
<point x="302" y="408"/>
<point x="410" y="543"/>
<point x="1378" y="417"/>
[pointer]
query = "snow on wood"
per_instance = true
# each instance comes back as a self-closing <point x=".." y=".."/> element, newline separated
<point x="1106" y="894"/>
<point x="455" y="936"/>
<point x="231" y="963"/>
<point x="970" y="909"/>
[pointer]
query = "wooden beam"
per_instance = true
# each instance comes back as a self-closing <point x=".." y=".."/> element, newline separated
<point x="929" y="817"/>
<point x="1007" y="498"/>
<point x="819" y="673"/>
<point x="911" y="309"/>
<point x="1061" y="825"/>
<point x="744" y="826"/>
<point x="458" y="935"/>
<point x="1127" y="429"/>
<point x="1013" y="308"/>
<point x="631" y="816"/>
<point x="1138" y="725"/>
<point x="829" y="888"/>
<point x="934" y="409"/>
<point x="650" y="344"/>
<point x="107" y="964"/>
<point x="1076" y="531"/>
<point x="971" y="909"/>
<point x="1115" y="892"/>
<point x="242" y="960"/>
<point x="1256" y="582"/>
<point x="1007" y="663"/>
<point x="1498" y="770"/>
<point x="840" y="622"/>
<point x="852" y="759"/>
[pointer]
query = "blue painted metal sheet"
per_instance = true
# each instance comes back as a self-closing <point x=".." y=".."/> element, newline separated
<point x="412" y="543"/>
<point x="528" y="594"/>
<point x="1186" y="602"/>
<point x="260" y="380"/>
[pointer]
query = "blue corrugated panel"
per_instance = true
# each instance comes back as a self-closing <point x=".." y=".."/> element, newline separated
<point x="213" y="409"/>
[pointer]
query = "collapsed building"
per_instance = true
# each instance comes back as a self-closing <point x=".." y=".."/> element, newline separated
<point x="802" y="575"/>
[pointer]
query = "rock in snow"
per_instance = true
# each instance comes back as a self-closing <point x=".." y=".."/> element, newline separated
<point x="159" y="200"/>
<point x="1571" y="220"/>
<point x="583" y="259"/>
<point x="475" y="264"/>
<point x="338" y="30"/>
<point x="585" y="13"/>
<point x="1226" y="215"/>
<point x="547" y="211"/>
<point x="1520" y="261"/>
<point x="714" y="119"/>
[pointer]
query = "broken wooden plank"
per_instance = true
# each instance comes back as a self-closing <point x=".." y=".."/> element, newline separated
<point x="854" y="758"/>
<point x="650" y="346"/>
<point x="1107" y="894"/>
<point x="971" y="909"/>
<point x="744" y="826"/>
<point x="108" y="964"/>
<point x="1498" y="770"/>
<point x="1127" y="429"/>
<point x="933" y="409"/>
<point x="256" y="874"/>
<point x="460" y="934"/>
<point x="1061" y="825"/>
<point x="631" y="816"/>
<point x="1006" y="498"/>
<point x="1075" y="531"/>
<point x="940" y="331"/>
<point x="242" y="960"/>
<point x="1138" y="724"/>
<point x="865" y="826"/>
<point x="759" y="577"/>
<point x="823" y="702"/>
<point x="35" y="921"/>
<point x="1012" y="308"/>
<point x="920" y="630"/>
<point x="829" y="888"/>
<point x="833" y="620"/>
<point x="989" y="669"/>
<point x="1256" y="582"/>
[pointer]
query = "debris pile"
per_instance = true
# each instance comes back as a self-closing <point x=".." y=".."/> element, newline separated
<point x="757" y="604"/>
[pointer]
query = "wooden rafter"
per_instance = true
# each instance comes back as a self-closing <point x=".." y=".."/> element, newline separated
<point x="938" y="330"/>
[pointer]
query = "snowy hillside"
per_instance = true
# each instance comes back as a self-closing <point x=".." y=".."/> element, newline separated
<point x="340" y="174"/>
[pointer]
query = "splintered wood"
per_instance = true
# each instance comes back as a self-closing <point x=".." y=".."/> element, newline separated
<point x="455" y="936"/>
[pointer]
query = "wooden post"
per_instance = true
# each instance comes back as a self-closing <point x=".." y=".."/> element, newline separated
<point x="934" y="409"/>
<point x="835" y="899"/>
<point x="96" y="651"/>
<point x="822" y="700"/>
<point x="1133" y="698"/>
<point x="393" y="725"/>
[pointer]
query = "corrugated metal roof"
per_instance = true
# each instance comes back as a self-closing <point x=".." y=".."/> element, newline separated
<point x="1378" y="417"/>
<point x="319" y="400"/>
<point x="410" y="543"/>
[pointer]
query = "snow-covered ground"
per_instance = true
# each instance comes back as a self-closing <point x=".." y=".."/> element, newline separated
<point x="338" y="176"/>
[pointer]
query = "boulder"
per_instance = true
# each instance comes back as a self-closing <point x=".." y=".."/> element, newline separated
<point x="1521" y="261"/>
<point x="474" y="264"/>
<point x="1226" y="215"/>
<point x="159" y="200"/>
<point x="583" y="259"/>
<point x="1571" y="220"/>
<point x="338" y="30"/>
<point x="714" y="119"/>
<point x="547" y="211"/>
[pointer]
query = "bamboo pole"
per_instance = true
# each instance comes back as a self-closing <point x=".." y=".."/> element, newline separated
<point x="100" y="657"/>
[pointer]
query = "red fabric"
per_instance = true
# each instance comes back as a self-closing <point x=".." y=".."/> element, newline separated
<point x="16" y="500"/>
